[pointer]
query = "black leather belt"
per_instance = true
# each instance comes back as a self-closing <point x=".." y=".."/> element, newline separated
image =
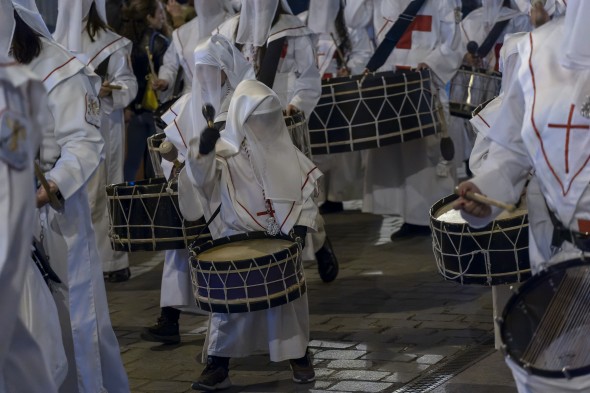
<point x="562" y="234"/>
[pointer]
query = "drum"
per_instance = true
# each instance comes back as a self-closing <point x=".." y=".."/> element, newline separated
<point x="374" y="110"/>
<point x="299" y="132"/>
<point x="154" y="143"/>
<point x="246" y="272"/>
<point x="471" y="88"/>
<point x="144" y="216"/>
<point x="544" y="329"/>
<point x="492" y="255"/>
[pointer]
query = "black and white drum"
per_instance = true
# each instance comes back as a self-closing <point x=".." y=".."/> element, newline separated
<point x="145" y="216"/>
<point x="544" y="330"/>
<point x="246" y="272"/>
<point x="493" y="255"/>
<point x="374" y="110"/>
<point x="299" y="132"/>
<point x="471" y="88"/>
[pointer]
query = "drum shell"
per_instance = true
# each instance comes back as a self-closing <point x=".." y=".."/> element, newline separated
<point x="374" y="110"/>
<point x="493" y="255"/>
<point x="249" y="284"/>
<point x="525" y="310"/>
<point x="470" y="88"/>
<point x="144" y="216"/>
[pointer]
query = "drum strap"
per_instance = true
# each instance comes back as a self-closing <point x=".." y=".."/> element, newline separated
<point x="562" y="234"/>
<point x="270" y="62"/>
<point x="394" y="35"/>
<point x="491" y="39"/>
<point x="215" y="213"/>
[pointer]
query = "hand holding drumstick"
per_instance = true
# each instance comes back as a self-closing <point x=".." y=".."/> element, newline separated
<point x="473" y="202"/>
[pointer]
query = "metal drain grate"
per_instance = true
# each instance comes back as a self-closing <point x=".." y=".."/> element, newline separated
<point x="441" y="373"/>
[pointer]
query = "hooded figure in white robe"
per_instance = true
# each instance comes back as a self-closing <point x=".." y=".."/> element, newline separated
<point x="406" y="179"/>
<point x="107" y="54"/>
<point x="255" y="162"/>
<point x="22" y="350"/>
<point x="179" y="56"/>
<point x="212" y="57"/>
<point x="548" y="102"/>
<point x="342" y="180"/>
<point x="71" y="149"/>
<point x="475" y="28"/>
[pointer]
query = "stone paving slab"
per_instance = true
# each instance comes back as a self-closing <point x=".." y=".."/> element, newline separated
<point x="388" y="318"/>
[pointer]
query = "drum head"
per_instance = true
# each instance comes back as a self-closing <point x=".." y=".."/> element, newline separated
<point x="545" y="325"/>
<point x="244" y="249"/>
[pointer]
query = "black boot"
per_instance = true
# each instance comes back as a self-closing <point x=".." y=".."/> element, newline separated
<point x="121" y="275"/>
<point x="408" y="231"/>
<point x="215" y="376"/>
<point x="166" y="329"/>
<point x="327" y="262"/>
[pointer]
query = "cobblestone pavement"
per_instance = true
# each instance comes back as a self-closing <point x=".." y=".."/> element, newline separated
<point x="389" y="323"/>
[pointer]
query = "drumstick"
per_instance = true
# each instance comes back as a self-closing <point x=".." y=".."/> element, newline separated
<point x="169" y="152"/>
<point x="54" y="202"/>
<point x="338" y="51"/>
<point x="474" y="196"/>
<point x="114" y="87"/>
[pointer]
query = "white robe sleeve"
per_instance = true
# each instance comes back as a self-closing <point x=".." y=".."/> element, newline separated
<point x="308" y="215"/>
<point x="503" y="174"/>
<point x="443" y="60"/>
<point x="358" y="13"/>
<point x="362" y="50"/>
<point x="170" y="68"/>
<point x="308" y="84"/>
<point x="81" y="142"/>
<point x="120" y="74"/>
<point x="201" y="169"/>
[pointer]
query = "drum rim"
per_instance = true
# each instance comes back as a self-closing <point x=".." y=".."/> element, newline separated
<point x="154" y="183"/>
<point x="510" y="304"/>
<point x="196" y="250"/>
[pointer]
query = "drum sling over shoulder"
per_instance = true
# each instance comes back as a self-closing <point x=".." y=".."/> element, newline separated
<point x="394" y="34"/>
<point x="270" y="62"/>
<point x="491" y="39"/>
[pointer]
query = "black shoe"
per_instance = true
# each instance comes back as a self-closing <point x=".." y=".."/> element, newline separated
<point x="327" y="262"/>
<point x="121" y="275"/>
<point x="164" y="331"/>
<point x="410" y="230"/>
<point x="302" y="369"/>
<point x="215" y="376"/>
<point x="331" y="207"/>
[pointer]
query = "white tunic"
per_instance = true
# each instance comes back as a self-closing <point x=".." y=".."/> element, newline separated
<point x="115" y="50"/>
<point x="71" y="150"/>
<point x="297" y="81"/>
<point x="542" y="111"/>
<point x="22" y="100"/>
<point x="281" y="331"/>
<point x="402" y="179"/>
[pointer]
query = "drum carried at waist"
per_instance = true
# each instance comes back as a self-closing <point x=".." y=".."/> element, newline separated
<point x="544" y="330"/>
<point x="246" y="272"/>
<point x="299" y="132"/>
<point x="145" y="216"/>
<point x="492" y="255"/>
<point x="471" y="88"/>
<point x="374" y="110"/>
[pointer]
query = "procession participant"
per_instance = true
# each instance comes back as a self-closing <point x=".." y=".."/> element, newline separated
<point x="549" y="93"/>
<point x="255" y="168"/>
<point x="70" y="152"/>
<point x="406" y="179"/>
<point x="23" y="100"/>
<point x="82" y="29"/>
<point x="483" y="30"/>
<point x="340" y="52"/>
<point x="212" y="58"/>
<point x="281" y="49"/>
<point x="179" y="56"/>
<point x="145" y="25"/>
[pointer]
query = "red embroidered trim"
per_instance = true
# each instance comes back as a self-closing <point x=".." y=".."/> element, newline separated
<point x="180" y="133"/>
<point x="100" y="51"/>
<point x="61" y="66"/>
<point x="484" y="120"/>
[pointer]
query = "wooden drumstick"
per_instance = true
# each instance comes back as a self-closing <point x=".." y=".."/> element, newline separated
<point x="114" y="87"/>
<point x="54" y="201"/>
<point x="474" y="196"/>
